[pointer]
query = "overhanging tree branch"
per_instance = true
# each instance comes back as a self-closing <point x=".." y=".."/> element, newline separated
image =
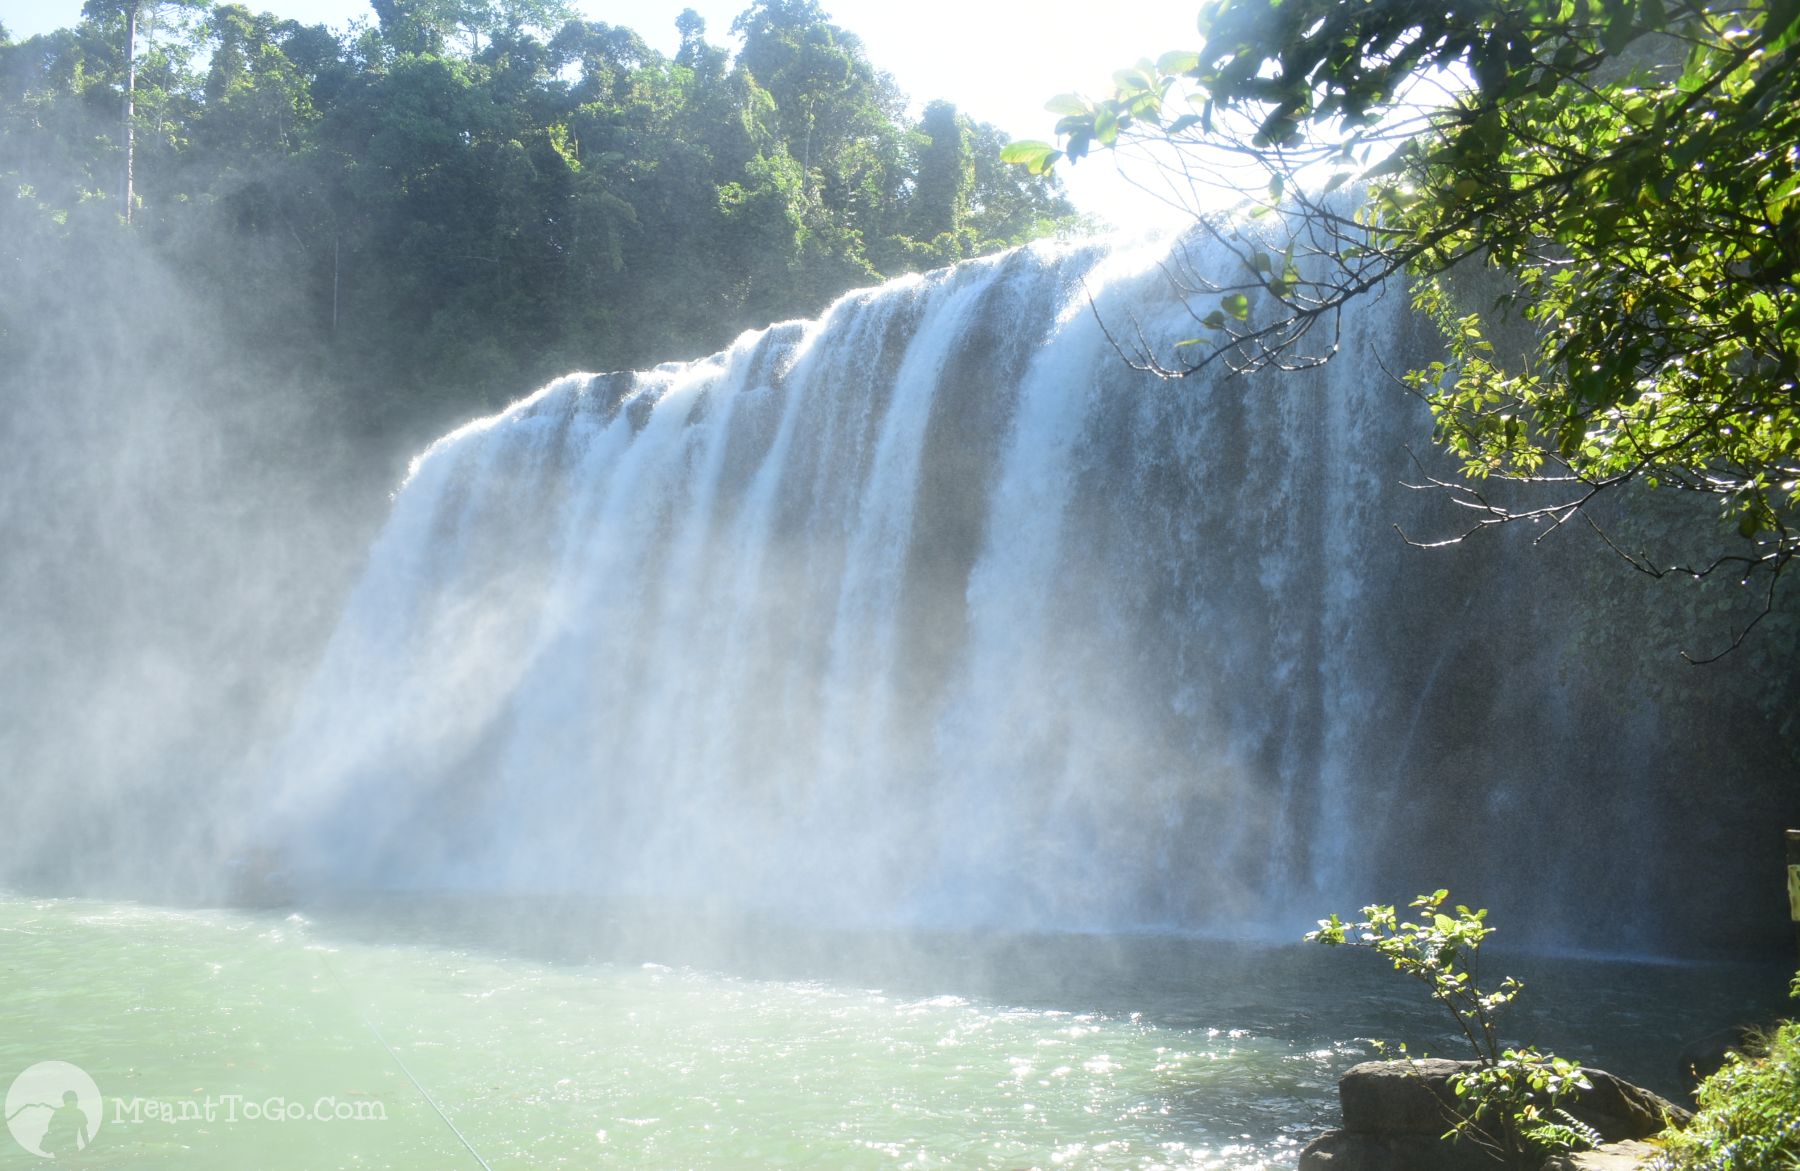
<point x="1630" y="170"/>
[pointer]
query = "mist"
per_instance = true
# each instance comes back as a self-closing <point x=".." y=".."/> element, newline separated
<point x="182" y="515"/>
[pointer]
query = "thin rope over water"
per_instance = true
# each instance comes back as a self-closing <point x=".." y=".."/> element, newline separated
<point x="417" y="1085"/>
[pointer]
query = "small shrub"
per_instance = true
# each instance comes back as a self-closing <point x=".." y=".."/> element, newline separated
<point x="1749" y="1117"/>
<point x="1509" y="1101"/>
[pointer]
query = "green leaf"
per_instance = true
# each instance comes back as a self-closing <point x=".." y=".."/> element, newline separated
<point x="1130" y="82"/>
<point x="1106" y="125"/>
<point x="1069" y="104"/>
<point x="1237" y="305"/>
<point x="1035" y="157"/>
<point x="1177" y="62"/>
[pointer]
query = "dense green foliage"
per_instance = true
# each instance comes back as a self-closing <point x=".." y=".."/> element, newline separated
<point x="1749" y="1118"/>
<point x="1508" y="1101"/>
<point x="432" y="214"/>
<point x="1631" y="169"/>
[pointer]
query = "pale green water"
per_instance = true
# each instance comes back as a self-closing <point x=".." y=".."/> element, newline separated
<point x="1068" y="1053"/>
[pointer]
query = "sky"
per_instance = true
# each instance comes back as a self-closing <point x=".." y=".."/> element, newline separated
<point x="999" y="62"/>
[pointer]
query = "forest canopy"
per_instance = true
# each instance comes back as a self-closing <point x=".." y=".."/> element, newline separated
<point x="436" y="211"/>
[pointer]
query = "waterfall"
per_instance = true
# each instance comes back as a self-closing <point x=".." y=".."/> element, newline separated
<point x="933" y="611"/>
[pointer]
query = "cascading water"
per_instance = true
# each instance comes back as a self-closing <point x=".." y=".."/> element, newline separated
<point x="933" y="611"/>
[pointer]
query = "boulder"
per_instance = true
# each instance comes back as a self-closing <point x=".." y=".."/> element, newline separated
<point x="1395" y="1113"/>
<point x="1399" y="1097"/>
<point x="1621" y="1111"/>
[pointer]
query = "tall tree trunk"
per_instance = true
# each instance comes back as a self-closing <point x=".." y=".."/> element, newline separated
<point x="130" y="116"/>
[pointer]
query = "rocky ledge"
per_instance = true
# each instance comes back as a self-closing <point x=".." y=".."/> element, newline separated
<point x="1396" y="1112"/>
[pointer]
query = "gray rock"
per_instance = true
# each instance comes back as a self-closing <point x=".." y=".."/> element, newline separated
<point x="1399" y="1097"/>
<point x="1414" y="1097"/>
<point x="1626" y="1156"/>
<point x="1621" y="1111"/>
<point x="1395" y="1113"/>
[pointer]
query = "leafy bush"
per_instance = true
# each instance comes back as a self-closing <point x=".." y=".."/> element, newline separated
<point x="1509" y="1101"/>
<point x="1749" y="1117"/>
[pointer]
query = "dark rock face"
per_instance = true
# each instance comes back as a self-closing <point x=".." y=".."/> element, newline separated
<point x="1395" y="1113"/>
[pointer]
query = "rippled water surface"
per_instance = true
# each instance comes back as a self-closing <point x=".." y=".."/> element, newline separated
<point x="390" y="1035"/>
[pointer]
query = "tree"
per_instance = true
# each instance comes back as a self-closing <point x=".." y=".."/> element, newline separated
<point x="946" y="173"/>
<point x="825" y="90"/>
<point x="129" y="13"/>
<point x="694" y="49"/>
<point x="438" y="212"/>
<point x="1007" y="205"/>
<point x="1631" y="171"/>
<point x="428" y="26"/>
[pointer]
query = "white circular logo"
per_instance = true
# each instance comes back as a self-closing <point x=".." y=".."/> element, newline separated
<point x="54" y="1109"/>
